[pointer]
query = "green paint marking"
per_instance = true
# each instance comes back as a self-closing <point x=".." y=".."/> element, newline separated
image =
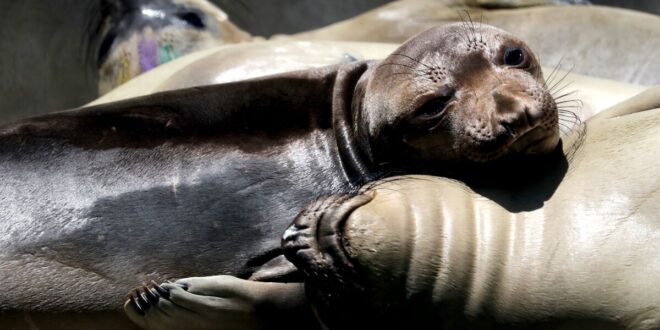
<point x="166" y="53"/>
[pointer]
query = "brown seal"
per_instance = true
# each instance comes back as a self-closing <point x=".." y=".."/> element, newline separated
<point x="454" y="95"/>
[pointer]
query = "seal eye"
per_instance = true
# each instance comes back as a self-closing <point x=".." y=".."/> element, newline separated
<point x="433" y="108"/>
<point x="192" y="19"/>
<point x="514" y="56"/>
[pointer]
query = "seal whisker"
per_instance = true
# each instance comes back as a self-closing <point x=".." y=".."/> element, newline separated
<point x="568" y="119"/>
<point x="563" y="111"/>
<point x="562" y="79"/>
<point x="569" y="107"/>
<point x="397" y="74"/>
<point x="474" y="31"/>
<point x="560" y="89"/>
<point x="568" y="123"/>
<point x="481" y="21"/>
<point x="554" y="71"/>
<point x="555" y="82"/>
<point x="564" y="95"/>
<point x="412" y="59"/>
<point x="570" y="101"/>
<point x="466" y="27"/>
<point x="398" y="64"/>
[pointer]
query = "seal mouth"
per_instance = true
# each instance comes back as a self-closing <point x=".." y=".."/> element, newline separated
<point x="535" y="141"/>
<point x="315" y="239"/>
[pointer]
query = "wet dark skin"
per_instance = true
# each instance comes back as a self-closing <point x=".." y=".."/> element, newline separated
<point x="453" y="99"/>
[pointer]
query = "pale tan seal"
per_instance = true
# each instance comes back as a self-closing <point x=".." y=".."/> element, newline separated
<point x="430" y="252"/>
<point x="607" y="36"/>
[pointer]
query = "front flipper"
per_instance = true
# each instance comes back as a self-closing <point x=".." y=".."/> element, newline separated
<point x="220" y="302"/>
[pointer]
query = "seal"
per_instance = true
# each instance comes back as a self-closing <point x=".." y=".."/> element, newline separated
<point x="409" y="115"/>
<point x="406" y="251"/>
<point x="252" y="60"/>
<point x="207" y="177"/>
<point x="397" y="21"/>
<point x="133" y="37"/>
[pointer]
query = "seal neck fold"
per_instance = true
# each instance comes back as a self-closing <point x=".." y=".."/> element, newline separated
<point x="353" y="160"/>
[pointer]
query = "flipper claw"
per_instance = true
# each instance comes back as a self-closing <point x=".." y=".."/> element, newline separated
<point x="159" y="289"/>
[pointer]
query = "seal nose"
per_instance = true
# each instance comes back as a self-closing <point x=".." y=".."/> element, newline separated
<point x="513" y="113"/>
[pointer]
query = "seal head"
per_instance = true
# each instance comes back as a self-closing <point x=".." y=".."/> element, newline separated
<point x="136" y="36"/>
<point x="458" y="92"/>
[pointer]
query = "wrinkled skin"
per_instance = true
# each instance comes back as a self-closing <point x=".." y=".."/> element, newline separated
<point x="419" y="251"/>
<point x="91" y="195"/>
<point x="423" y="110"/>
<point x="432" y="252"/>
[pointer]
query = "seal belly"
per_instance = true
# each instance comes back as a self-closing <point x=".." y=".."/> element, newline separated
<point x="120" y="216"/>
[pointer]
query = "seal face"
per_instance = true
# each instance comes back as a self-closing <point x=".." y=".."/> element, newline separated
<point x="460" y="92"/>
<point x="137" y="36"/>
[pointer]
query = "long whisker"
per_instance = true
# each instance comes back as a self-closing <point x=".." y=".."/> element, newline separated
<point x="399" y="64"/>
<point x="570" y="101"/>
<point x="397" y="74"/>
<point x="564" y="95"/>
<point x="466" y="27"/>
<point x="474" y="31"/>
<point x="412" y="59"/>
<point x="551" y="76"/>
<point x="481" y="25"/>
<point x="560" y="89"/>
<point x="562" y="78"/>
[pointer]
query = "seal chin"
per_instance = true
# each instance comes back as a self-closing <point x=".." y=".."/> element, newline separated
<point x="538" y="141"/>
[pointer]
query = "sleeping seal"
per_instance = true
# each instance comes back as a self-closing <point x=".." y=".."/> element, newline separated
<point x="431" y="252"/>
<point x="207" y="177"/>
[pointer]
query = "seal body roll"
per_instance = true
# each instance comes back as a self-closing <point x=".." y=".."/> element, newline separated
<point x="433" y="251"/>
<point x="202" y="180"/>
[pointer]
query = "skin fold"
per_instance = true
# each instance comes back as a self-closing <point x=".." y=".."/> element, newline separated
<point x="434" y="252"/>
<point x="427" y="108"/>
<point x="153" y="188"/>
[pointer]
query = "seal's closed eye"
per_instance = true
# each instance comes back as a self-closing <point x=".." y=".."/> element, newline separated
<point x="434" y="108"/>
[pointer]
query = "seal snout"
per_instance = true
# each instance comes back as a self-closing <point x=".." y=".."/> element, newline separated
<point x="315" y="238"/>
<point x="515" y="113"/>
